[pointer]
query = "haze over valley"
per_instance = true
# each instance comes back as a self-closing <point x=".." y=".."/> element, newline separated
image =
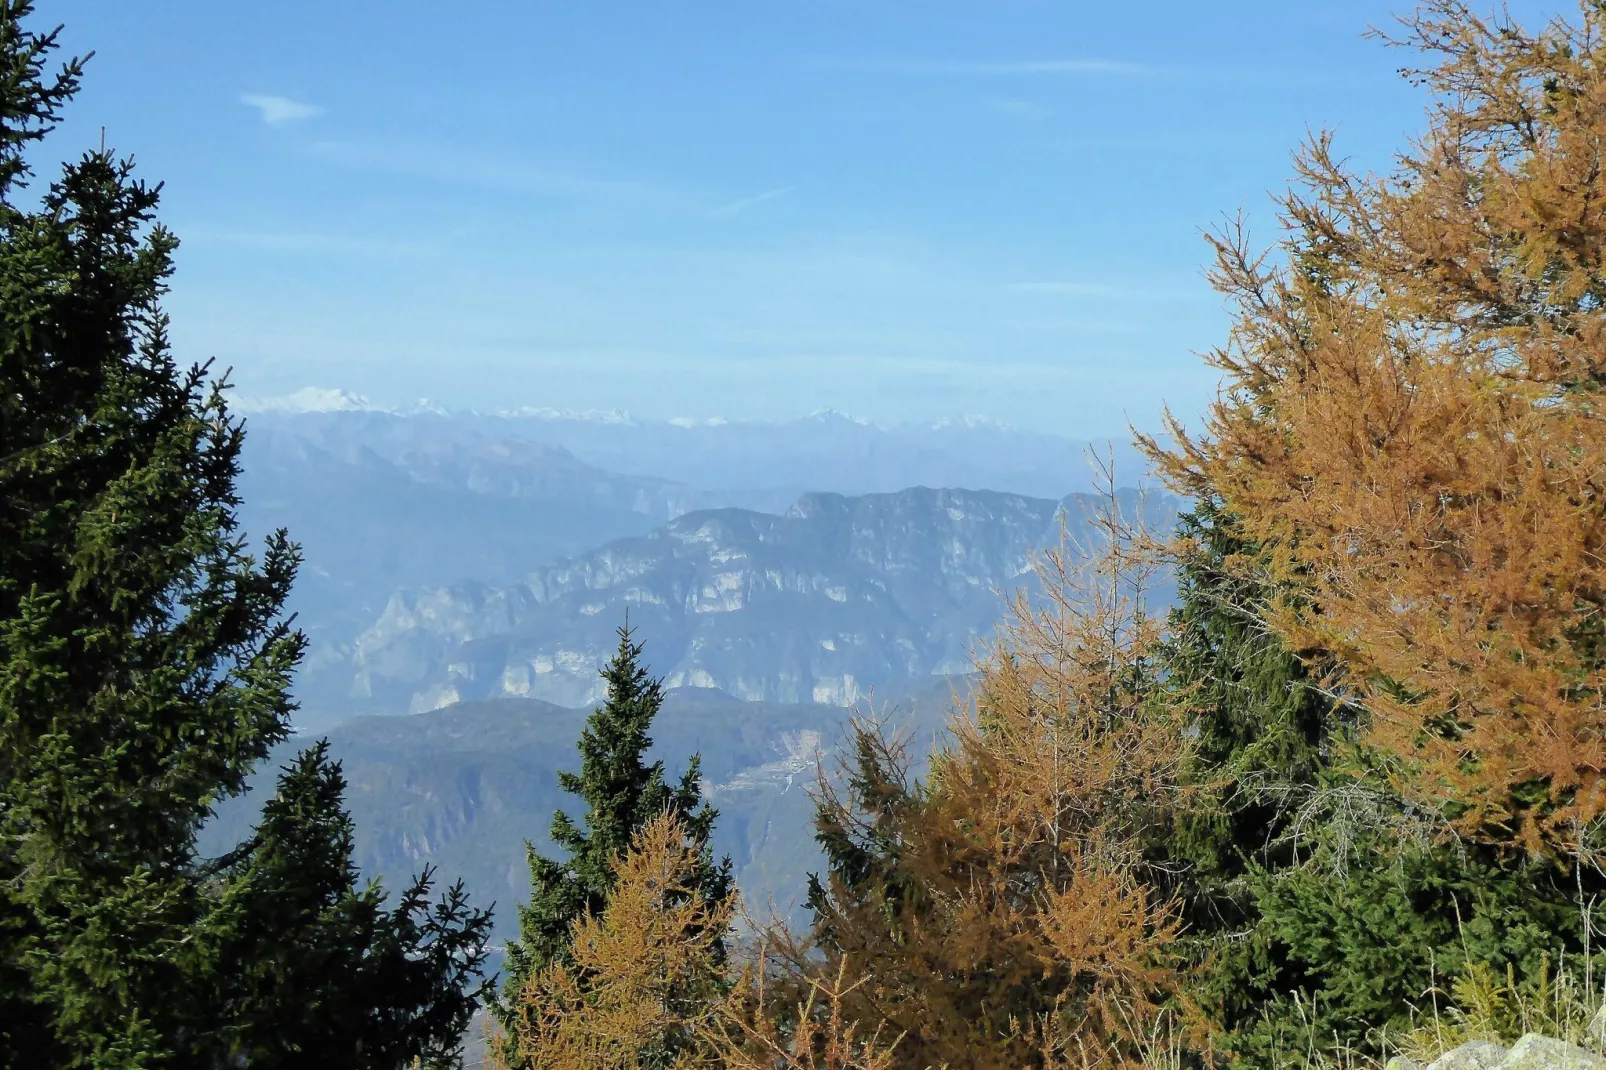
<point x="466" y="573"/>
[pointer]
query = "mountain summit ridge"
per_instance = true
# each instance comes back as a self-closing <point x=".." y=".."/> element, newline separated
<point x="838" y="595"/>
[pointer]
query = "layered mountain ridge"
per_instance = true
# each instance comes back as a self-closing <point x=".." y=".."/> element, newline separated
<point x="456" y="556"/>
<point x="835" y="597"/>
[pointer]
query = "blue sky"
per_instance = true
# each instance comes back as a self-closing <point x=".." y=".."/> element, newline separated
<point x="896" y="209"/>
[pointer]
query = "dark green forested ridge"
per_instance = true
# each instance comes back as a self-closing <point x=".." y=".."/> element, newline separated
<point x="145" y="666"/>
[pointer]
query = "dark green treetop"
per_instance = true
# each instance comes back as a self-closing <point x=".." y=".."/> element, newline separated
<point x="860" y="832"/>
<point x="321" y="968"/>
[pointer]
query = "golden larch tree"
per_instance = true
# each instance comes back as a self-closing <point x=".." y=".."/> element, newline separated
<point x="1011" y="922"/>
<point x="1412" y="422"/>
<point x="753" y="1032"/>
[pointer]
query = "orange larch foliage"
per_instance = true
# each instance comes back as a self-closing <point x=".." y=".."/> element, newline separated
<point x="1015" y="926"/>
<point x="645" y="990"/>
<point x="1413" y="423"/>
<point x="644" y="983"/>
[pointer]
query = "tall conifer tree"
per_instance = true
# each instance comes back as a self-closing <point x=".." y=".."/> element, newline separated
<point x="622" y="793"/>
<point x="1264" y="731"/>
<point x="145" y="666"/>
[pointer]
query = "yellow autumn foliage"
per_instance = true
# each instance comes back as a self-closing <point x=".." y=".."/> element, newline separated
<point x="1018" y="927"/>
<point x="1413" y="423"/>
<point x="643" y="981"/>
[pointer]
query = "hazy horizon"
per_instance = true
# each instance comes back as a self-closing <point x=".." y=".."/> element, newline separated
<point x="321" y="400"/>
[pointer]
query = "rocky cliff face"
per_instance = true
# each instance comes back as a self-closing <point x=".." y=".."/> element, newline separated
<point x="380" y="503"/>
<point x="821" y="604"/>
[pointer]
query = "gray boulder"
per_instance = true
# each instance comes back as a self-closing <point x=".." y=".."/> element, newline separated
<point x="1596" y="1031"/>
<point x="1473" y="1055"/>
<point x="1534" y="1052"/>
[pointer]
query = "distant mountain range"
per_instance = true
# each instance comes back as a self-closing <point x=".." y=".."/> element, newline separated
<point x="832" y="452"/>
<point x="381" y="503"/>
<point x="455" y="518"/>
<point x="835" y="598"/>
<point x="778" y="573"/>
<point x="824" y="451"/>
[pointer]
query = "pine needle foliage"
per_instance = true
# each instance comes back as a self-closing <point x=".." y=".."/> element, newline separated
<point x="317" y="969"/>
<point x="1407" y="458"/>
<point x="1320" y="903"/>
<point x="145" y="666"/>
<point x="815" y="1033"/>
<point x="647" y="985"/>
<point x="644" y="978"/>
<point x="1263" y="730"/>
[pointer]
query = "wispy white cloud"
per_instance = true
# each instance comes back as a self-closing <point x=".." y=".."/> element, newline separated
<point x="995" y="68"/>
<point x="280" y="111"/>
<point x="744" y="203"/>
<point x="460" y="165"/>
<point x="1025" y="109"/>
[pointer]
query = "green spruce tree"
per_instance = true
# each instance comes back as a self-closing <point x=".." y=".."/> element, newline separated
<point x="322" y="971"/>
<point x="1264" y="731"/>
<point x="860" y="833"/>
<point x="145" y="666"/>
<point x="622" y="792"/>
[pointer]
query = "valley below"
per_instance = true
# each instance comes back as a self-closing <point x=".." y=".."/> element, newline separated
<point x="462" y="788"/>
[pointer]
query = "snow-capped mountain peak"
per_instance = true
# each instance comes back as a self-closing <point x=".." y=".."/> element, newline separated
<point x="308" y="399"/>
